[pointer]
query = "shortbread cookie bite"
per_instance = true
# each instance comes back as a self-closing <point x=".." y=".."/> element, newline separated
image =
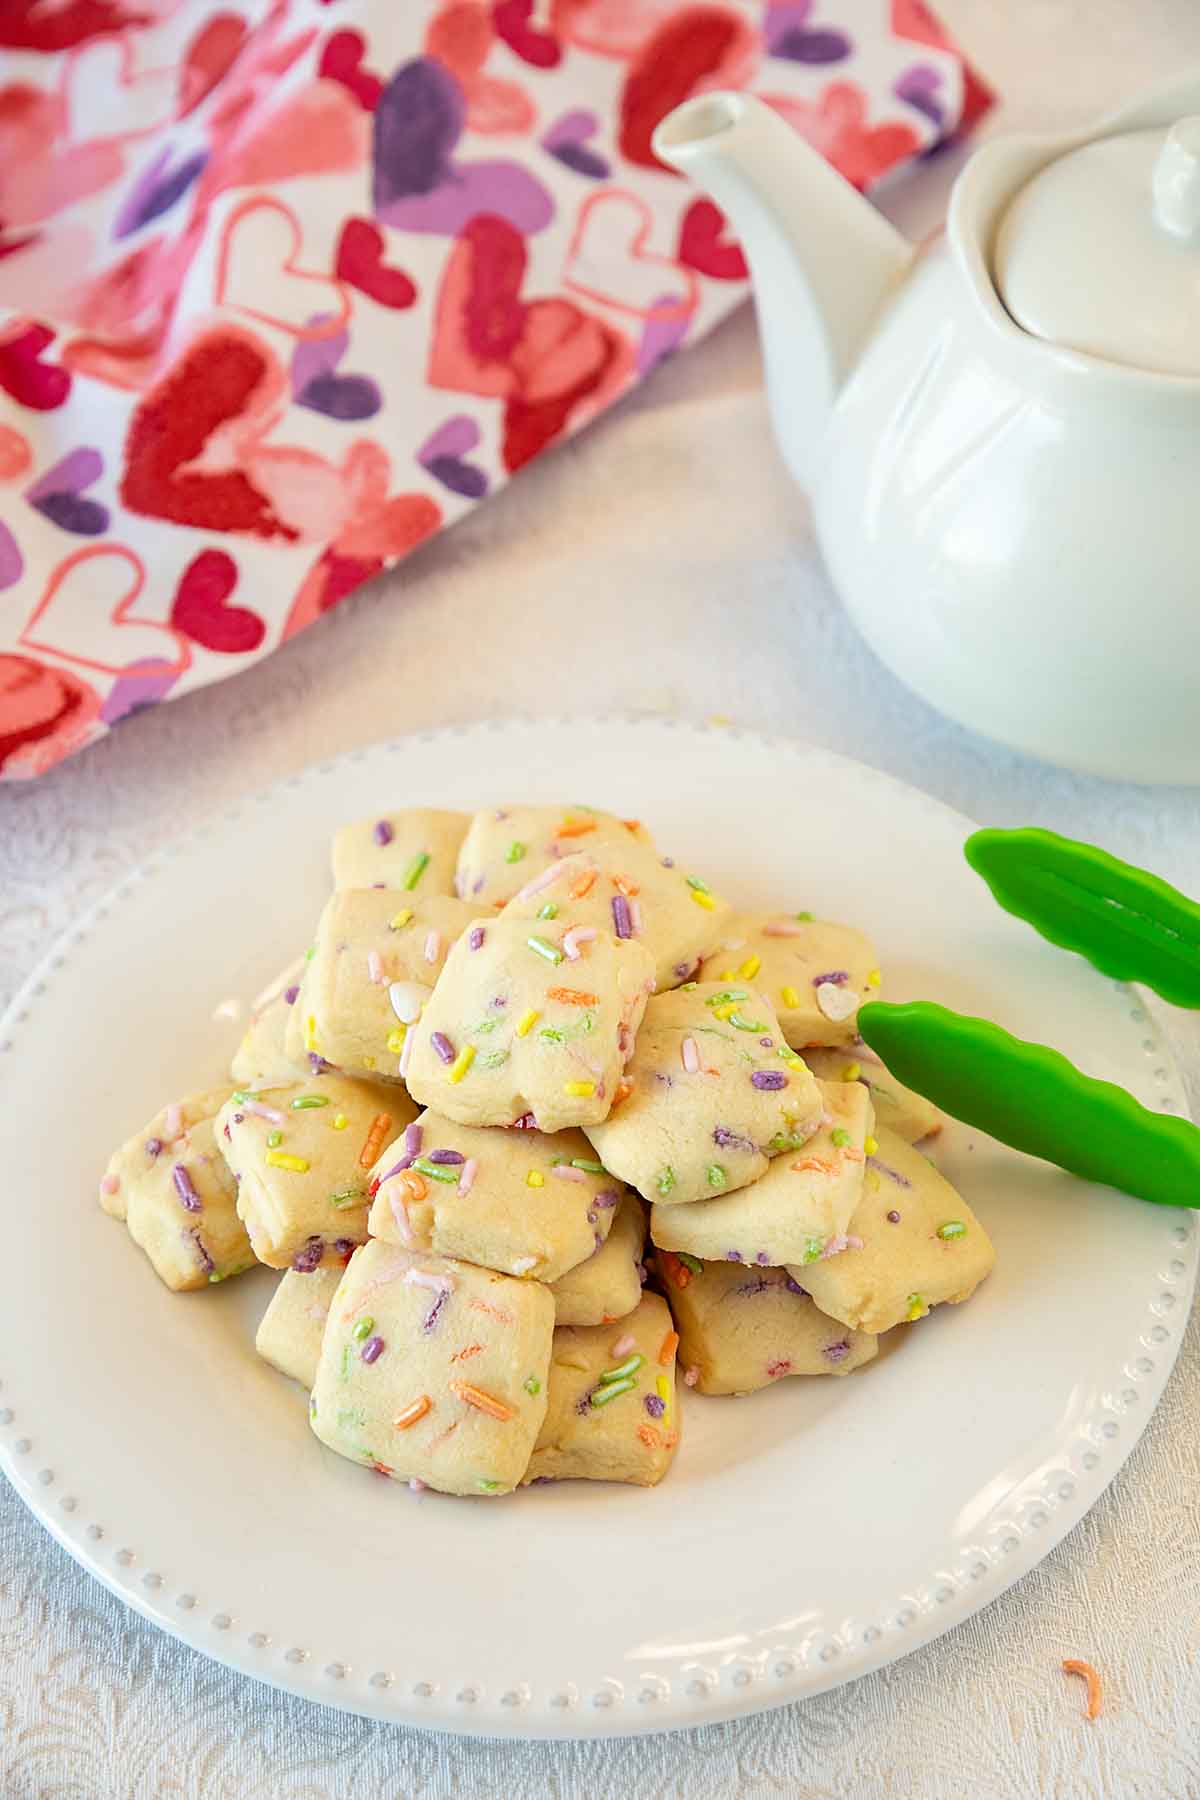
<point x="518" y="1201"/>
<point x="507" y="846"/>
<point x="815" y="973"/>
<point x="289" y="1336"/>
<point x="897" y="1108"/>
<point x="434" y="1371"/>
<point x="262" y="1054"/>
<point x="373" y="966"/>
<point x="170" y="1186"/>
<point x="301" y="1154"/>
<point x="609" y="1283"/>
<point x="742" y="1329"/>
<point x="612" y="1414"/>
<point x="528" y="1021"/>
<point x="713" y="1094"/>
<point x="413" y="850"/>
<point x="798" y="1211"/>
<point x="914" y="1244"/>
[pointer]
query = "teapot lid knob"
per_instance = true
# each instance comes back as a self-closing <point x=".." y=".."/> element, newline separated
<point x="1176" y="180"/>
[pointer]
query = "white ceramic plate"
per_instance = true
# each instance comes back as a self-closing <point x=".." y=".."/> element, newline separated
<point x="805" y="1535"/>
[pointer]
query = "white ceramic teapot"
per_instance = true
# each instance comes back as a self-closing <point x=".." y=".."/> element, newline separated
<point x="999" y="430"/>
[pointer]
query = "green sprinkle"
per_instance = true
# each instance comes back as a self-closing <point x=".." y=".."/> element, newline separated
<point x="805" y="918"/>
<point x="630" y="1366"/>
<point x="688" y="986"/>
<point x="785" y="1140"/>
<point x="813" y="1249"/>
<point x="347" y="1196"/>
<point x="916" y="1307"/>
<point x="274" y="1139"/>
<point x="483" y="1027"/>
<point x="416" y="869"/>
<point x="716" y="1175"/>
<point x="839" y="1137"/>
<point x="549" y="911"/>
<point x="740" y="1024"/>
<point x="310" y="953"/>
<point x="363" y="1328"/>
<point x="215" y="1276"/>
<point x="691" y="1262"/>
<point x="345" y="1362"/>
<point x="551" y="1034"/>
<point x="489" y="1487"/>
<point x="240" y="1096"/>
<point x="515" y="851"/>
<point x="695" y="882"/>
<point x="312" y="1406"/>
<point x="495" y="1059"/>
<point x="349" y="1416"/>
<point x="545" y="948"/>
<point x="727" y="996"/>
<point x="666" y="1180"/>
<point x="609" y="1391"/>
<point x="953" y="1228"/>
<point x="532" y="1385"/>
<point x="306" y="1101"/>
<point x="435" y="1171"/>
<point x="587" y="1024"/>
<point x="588" y="1165"/>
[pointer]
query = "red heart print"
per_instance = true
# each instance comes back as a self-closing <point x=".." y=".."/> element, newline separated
<point x="209" y="56"/>
<point x="540" y="49"/>
<point x="30" y="382"/>
<point x="45" y="713"/>
<point x="199" y="608"/>
<point x="688" y="50"/>
<point x="67" y="614"/>
<point x="360" y="262"/>
<point x="225" y="376"/>
<point x="704" y="245"/>
<point x="479" y="314"/>
<point x="342" y="61"/>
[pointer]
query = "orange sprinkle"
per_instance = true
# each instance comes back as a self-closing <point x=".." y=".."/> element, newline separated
<point x="374" y="1140"/>
<point x="817" y="1163"/>
<point x="411" y="1414"/>
<point x="853" y="1155"/>
<point x="676" y="1272"/>
<point x="575" y="828"/>
<point x="648" y="1436"/>
<point x="632" y="824"/>
<point x="484" y="1403"/>
<point x="470" y="1350"/>
<point x="413" y="1184"/>
<point x="668" y="1347"/>
<point x="1073" y="1666"/>
<point x="672" y="1439"/>
<point x="494" y="1312"/>
<point x="583" y="886"/>
<point x="624" y="1089"/>
<point x="624" y="886"/>
<point x="572" y="996"/>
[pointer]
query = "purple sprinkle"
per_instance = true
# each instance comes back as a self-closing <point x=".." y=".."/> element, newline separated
<point x="683" y="970"/>
<point x="431" y="1317"/>
<point x="373" y="1349"/>
<point x="185" y="1189"/>
<point x="383" y="833"/>
<point x="443" y="1046"/>
<point x="379" y="884"/>
<point x="500" y="1000"/>
<point x="308" y="1259"/>
<point x="609" y="1197"/>
<point x="583" y="1405"/>
<point x="641" y="1270"/>
<point x="732" y="1140"/>
<point x="839" y="978"/>
<point x="757" y="1286"/>
<point x="475" y="937"/>
<point x="654" y="1406"/>
<point x="893" y="1217"/>
<point x="477" y="885"/>
<point x="289" y="995"/>
<point x="668" y="862"/>
<point x="873" y="1162"/>
<point x="769" y="1079"/>
<point x="317" y="1064"/>
<point x="597" y="1235"/>
<point x="153" y="1147"/>
<point x="239" y="1118"/>
<point x="412" y="1140"/>
<point x="526" y="1122"/>
<point x="667" y="1080"/>
<point x="450" y="1157"/>
<point x="593" y="1218"/>
<point x="767" y="1043"/>
<point x="345" y="1246"/>
<point x="622" y="922"/>
<point x="406" y="1162"/>
<point x="733" y="1256"/>
<point x="793" y="1287"/>
<point x="206" y="1261"/>
<point x="762" y="1257"/>
<point x="835" y="1352"/>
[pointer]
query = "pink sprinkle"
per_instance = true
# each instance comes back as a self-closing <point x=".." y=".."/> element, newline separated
<point x="433" y="946"/>
<point x="539" y="882"/>
<point x="406" y="1050"/>
<point x="109" y="1184"/>
<point x="836" y="1245"/>
<point x="782" y="928"/>
<point x="374" y="966"/>
<point x="441" y="1284"/>
<point x="400" y="1214"/>
<point x="623" y="1345"/>
<point x="262" y="1112"/>
<point x="466" y="1179"/>
<point x="173" y="1120"/>
<point x="691" y="1376"/>
<point x="690" y="1055"/>
<point x="565" y="1172"/>
<point x="635" y="917"/>
<point x="417" y="1486"/>
<point x="578" y="934"/>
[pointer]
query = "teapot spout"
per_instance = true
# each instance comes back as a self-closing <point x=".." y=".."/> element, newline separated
<point x="821" y="258"/>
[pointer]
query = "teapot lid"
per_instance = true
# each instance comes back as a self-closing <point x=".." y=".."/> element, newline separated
<point x="1100" y="251"/>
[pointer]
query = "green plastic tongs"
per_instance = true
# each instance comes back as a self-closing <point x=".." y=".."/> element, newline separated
<point x="1128" y="924"/>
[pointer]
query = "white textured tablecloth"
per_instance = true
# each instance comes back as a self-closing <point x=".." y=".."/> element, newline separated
<point x="660" y="563"/>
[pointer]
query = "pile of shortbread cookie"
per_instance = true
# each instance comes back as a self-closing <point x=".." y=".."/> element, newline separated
<point x="537" y="1123"/>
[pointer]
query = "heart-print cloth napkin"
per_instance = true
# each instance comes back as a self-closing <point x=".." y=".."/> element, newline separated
<point x="288" y="285"/>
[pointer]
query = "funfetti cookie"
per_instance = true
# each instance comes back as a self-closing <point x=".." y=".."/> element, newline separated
<point x="798" y="1211"/>
<point x="742" y="1329"/>
<point x="517" y="1201"/>
<point x="289" y="1336"/>
<point x="613" y="1414"/>
<point x="301" y="1154"/>
<point x="914" y="1243"/>
<point x="507" y="846"/>
<point x="434" y="1371"/>
<point x="815" y="974"/>
<point x="413" y="851"/>
<point x="262" y="1054"/>
<point x="628" y="889"/>
<point x="609" y="1283"/>
<point x="712" y="1092"/>
<point x="376" y="958"/>
<point x="897" y="1108"/>
<point x="527" y="1020"/>
<point x="170" y="1186"/>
